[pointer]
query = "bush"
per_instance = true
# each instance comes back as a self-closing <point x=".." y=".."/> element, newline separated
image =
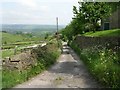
<point x="102" y="63"/>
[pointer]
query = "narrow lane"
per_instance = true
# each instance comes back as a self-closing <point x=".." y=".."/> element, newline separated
<point x="67" y="72"/>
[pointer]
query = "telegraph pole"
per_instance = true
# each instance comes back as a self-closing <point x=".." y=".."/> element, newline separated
<point x="57" y="30"/>
<point x="57" y="23"/>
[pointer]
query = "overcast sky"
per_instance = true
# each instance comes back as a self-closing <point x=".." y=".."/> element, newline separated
<point x="36" y="11"/>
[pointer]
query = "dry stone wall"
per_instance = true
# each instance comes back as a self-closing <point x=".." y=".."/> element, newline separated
<point x="86" y="42"/>
<point x="21" y="61"/>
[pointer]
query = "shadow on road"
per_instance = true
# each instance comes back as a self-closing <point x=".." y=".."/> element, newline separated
<point x="70" y="64"/>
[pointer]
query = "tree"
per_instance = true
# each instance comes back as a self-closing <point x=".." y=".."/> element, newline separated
<point x="91" y="12"/>
<point x="87" y="17"/>
<point x="46" y="36"/>
<point x="113" y="5"/>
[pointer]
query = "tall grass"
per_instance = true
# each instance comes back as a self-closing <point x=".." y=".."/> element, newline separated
<point x="103" y="64"/>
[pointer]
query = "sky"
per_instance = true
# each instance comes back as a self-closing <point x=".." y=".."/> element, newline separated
<point x="36" y="11"/>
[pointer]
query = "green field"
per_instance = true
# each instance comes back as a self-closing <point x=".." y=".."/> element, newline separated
<point x="10" y="41"/>
<point x="115" y="32"/>
<point x="7" y="53"/>
<point x="8" y="38"/>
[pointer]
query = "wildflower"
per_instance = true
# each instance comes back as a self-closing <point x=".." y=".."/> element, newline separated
<point x="102" y="54"/>
<point x="114" y="52"/>
<point x="114" y="57"/>
<point x="101" y="59"/>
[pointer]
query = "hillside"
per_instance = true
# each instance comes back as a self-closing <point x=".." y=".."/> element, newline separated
<point x="34" y="29"/>
<point x="115" y="32"/>
<point x="13" y="38"/>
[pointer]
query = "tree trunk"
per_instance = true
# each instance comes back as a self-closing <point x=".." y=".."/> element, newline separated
<point x="94" y="27"/>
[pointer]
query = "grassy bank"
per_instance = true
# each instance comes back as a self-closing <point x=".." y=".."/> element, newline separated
<point x="114" y="32"/>
<point x="46" y="57"/>
<point x="103" y="64"/>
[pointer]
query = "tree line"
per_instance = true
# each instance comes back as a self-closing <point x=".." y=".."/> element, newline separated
<point x="88" y="17"/>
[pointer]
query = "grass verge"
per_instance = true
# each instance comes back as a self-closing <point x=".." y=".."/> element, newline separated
<point x="103" y="64"/>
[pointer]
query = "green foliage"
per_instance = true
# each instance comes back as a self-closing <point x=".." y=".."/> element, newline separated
<point x="46" y="57"/>
<point x="87" y="18"/>
<point x="71" y="30"/>
<point x="103" y="64"/>
<point x="114" y="5"/>
<point x="67" y="33"/>
<point x="92" y="13"/>
<point x="46" y="36"/>
<point x="11" y="78"/>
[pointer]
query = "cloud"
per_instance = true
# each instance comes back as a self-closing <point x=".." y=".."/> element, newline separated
<point x="18" y="14"/>
<point x="25" y="3"/>
<point x="44" y="8"/>
<point x="58" y="1"/>
<point x="37" y="11"/>
<point x="28" y="3"/>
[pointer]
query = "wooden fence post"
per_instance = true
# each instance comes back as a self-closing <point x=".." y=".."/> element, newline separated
<point x="15" y="50"/>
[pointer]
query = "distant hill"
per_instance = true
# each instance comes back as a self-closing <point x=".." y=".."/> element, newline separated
<point x="35" y="29"/>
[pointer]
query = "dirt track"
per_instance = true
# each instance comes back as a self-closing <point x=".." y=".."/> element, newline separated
<point x="68" y="72"/>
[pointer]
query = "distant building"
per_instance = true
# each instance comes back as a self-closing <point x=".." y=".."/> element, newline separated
<point x="113" y="22"/>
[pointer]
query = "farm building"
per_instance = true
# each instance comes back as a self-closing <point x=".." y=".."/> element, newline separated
<point x="113" y="22"/>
